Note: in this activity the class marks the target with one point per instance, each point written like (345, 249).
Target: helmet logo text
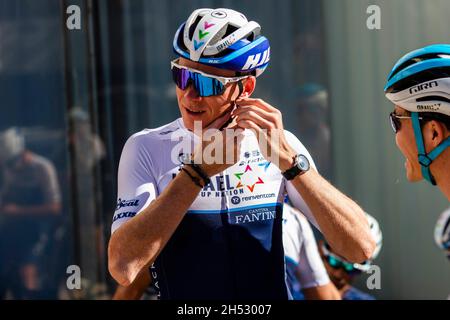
(423, 86)
(257, 60)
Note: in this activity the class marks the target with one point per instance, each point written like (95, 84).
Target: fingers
(260, 112)
(256, 102)
(249, 124)
(254, 108)
(256, 118)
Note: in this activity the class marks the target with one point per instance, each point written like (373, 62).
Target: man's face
(406, 142)
(205, 109)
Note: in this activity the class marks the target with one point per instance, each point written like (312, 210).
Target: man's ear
(434, 133)
(249, 85)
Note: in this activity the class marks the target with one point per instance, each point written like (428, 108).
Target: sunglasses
(394, 119)
(337, 263)
(205, 84)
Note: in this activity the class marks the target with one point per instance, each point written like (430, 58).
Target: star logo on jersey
(250, 187)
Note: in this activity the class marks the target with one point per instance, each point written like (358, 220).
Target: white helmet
(420, 80)
(377, 235)
(420, 83)
(223, 38)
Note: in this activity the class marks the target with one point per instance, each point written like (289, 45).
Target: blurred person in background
(30, 202)
(89, 147)
(307, 277)
(311, 114)
(88, 152)
(342, 272)
(419, 87)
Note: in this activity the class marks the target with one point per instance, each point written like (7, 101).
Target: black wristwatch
(187, 160)
(301, 165)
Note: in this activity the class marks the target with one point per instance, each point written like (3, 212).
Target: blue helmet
(225, 39)
(420, 82)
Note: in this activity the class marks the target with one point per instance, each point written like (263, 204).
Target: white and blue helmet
(442, 231)
(225, 39)
(420, 80)
(376, 234)
(420, 83)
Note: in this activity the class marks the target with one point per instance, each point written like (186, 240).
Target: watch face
(302, 162)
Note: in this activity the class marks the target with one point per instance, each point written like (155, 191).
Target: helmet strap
(425, 159)
(241, 88)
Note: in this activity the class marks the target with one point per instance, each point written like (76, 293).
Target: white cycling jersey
(232, 233)
(305, 268)
(146, 168)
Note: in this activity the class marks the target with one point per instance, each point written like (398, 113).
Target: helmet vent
(427, 75)
(415, 60)
(193, 26)
(433, 98)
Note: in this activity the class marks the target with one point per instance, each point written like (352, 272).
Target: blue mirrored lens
(205, 86)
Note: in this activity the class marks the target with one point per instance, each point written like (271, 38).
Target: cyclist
(343, 272)
(213, 229)
(419, 87)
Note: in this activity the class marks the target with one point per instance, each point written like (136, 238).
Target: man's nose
(191, 93)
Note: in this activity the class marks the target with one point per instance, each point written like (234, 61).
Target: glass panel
(35, 221)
